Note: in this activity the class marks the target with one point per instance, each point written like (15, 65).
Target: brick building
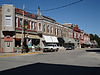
(17, 25)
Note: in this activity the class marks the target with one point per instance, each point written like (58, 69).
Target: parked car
(69, 47)
(51, 48)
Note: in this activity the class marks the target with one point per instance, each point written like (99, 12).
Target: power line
(57, 7)
(62, 6)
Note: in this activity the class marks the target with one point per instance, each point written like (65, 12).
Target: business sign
(8, 39)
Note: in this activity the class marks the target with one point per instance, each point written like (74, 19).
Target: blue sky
(85, 13)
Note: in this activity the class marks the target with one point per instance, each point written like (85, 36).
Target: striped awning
(50, 39)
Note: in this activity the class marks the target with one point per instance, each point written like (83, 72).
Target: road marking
(11, 55)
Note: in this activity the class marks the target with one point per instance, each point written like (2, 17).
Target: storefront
(61, 41)
(29, 38)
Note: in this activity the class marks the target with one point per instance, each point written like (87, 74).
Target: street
(80, 62)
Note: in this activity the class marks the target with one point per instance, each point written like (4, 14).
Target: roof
(20, 11)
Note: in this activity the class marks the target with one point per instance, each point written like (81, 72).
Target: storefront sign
(8, 39)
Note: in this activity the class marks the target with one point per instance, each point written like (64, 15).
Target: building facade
(17, 25)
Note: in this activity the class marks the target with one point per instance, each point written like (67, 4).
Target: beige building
(7, 28)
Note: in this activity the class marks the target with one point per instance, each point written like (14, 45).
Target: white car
(51, 47)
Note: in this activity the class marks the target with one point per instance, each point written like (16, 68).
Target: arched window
(48, 28)
(40, 26)
(32, 25)
(44, 28)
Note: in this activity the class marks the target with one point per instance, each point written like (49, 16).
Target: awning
(34, 36)
(68, 40)
(18, 35)
(50, 39)
(54, 39)
(29, 36)
(47, 38)
(61, 40)
(72, 40)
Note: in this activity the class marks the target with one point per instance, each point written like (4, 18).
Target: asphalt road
(72, 62)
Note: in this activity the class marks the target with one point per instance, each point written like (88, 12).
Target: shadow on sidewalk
(96, 50)
(52, 69)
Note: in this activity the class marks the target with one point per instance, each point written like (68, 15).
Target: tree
(96, 38)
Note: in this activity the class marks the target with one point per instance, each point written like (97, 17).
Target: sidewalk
(18, 54)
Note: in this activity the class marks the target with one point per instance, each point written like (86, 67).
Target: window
(48, 28)
(16, 21)
(32, 25)
(21, 22)
(26, 23)
(40, 26)
(8, 20)
(51, 29)
(44, 28)
(35, 26)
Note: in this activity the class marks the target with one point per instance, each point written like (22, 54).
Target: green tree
(96, 38)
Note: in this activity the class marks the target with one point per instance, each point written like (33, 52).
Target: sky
(86, 13)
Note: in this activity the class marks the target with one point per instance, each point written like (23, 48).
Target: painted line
(21, 54)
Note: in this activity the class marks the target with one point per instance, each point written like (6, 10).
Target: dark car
(69, 47)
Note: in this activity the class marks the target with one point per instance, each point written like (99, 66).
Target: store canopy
(34, 36)
(47, 38)
(50, 39)
(54, 39)
(71, 40)
(68, 40)
(61, 40)
(29, 36)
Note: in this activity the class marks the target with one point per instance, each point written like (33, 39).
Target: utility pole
(23, 30)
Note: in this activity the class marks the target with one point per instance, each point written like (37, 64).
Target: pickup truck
(51, 48)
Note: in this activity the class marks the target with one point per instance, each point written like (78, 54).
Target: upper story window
(16, 22)
(35, 26)
(21, 22)
(56, 31)
(51, 29)
(40, 26)
(32, 25)
(48, 28)
(8, 20)
(44, 28)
